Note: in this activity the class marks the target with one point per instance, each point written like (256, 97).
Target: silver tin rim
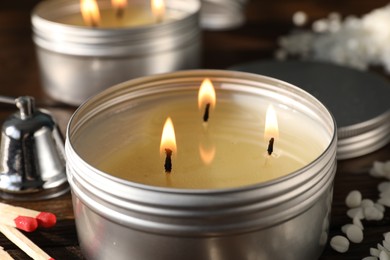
(143, 207)
(84, 41)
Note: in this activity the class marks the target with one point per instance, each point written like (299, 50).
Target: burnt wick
(168, 160)
(270, 148)
(206, 113)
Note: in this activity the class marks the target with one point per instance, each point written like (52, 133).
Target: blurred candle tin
(283, 218)
(78, 61)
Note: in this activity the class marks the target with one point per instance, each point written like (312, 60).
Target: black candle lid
(359, 100)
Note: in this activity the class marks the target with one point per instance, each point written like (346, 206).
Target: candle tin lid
(358, 100)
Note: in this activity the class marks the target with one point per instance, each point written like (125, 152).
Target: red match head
(28, 224)
(46, 219)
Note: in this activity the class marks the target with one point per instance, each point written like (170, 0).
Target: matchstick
(24, 243)
(44, 219)
(4, 254)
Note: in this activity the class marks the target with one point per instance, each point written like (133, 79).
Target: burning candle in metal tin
(84, 47)
(129, 182)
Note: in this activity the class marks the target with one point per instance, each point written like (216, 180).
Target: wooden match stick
(44, 219)
(25, 244)
(4, 254)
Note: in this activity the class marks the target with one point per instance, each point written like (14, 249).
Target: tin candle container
(282, 218)
(77, 62)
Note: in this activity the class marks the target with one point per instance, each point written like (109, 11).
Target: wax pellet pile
(367, 209)
(356, 42)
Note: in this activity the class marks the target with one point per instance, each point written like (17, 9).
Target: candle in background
(115, 43)
(117, 14)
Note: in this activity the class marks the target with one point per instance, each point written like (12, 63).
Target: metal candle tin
(77, 62)
(285, 218)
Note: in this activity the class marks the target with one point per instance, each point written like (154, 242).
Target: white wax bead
(378, 167)
(354, 234)
(367, 203)
(374, 173)
(353, 199)
(356, 212)
(386, 245)
(384, 255)
(299, 18)
(344, 228)
(372, 213)
(384, 194)
(370, 258)
(384, 201)
(374, 252)
(384, 186)
(320, 26)
(340, 244)
(380, 247)
(357, 222)
(386, 167)
(387, 236)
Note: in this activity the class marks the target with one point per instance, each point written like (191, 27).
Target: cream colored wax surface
(234, 131)
(132, 16)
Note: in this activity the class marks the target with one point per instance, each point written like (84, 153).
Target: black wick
(270, 148)
(168, 160)
(206, 113)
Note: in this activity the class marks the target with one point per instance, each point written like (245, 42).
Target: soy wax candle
(80, 57)
(219, 183)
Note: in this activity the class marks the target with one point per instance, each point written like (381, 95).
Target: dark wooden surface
(267, 20)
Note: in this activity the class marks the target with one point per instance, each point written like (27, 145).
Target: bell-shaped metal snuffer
(32, 163)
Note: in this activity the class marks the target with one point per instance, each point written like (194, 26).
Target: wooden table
(267, 20)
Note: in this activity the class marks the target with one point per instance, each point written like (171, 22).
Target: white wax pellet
(387, 236)
(386, 245)
(344, 228)
(374, 252)
(370, 258)
(340, 244)
(372, 213)
(374, 173)
(378, 168)
(380, 207)
(367, 203)
(380, 247)
(386, 167)
(384, 186)
(299, 18)
(385, 201)
(356, 213)
(358, 222)
(353, 199)
(384, 255)
(354, 234)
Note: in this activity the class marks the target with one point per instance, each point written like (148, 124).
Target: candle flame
(90, 12)
(158, 9)
(168, 139)
(206, 94)
(119, 4)
(271, 124)
(207, 154)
